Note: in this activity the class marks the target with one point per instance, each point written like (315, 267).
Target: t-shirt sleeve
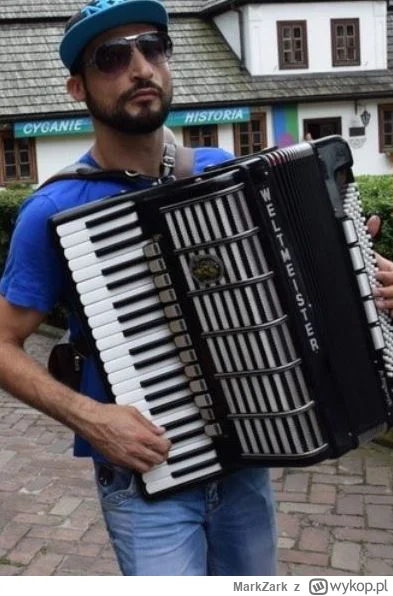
(33, 276)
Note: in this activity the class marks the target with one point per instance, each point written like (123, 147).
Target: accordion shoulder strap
(177, 162)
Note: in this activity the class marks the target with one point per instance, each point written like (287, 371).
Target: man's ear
(76, 87)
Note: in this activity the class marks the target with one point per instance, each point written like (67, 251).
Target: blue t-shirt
(34, 276)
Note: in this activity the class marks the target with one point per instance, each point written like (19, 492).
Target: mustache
(127, 95)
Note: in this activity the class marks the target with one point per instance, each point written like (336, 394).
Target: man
(117, 52)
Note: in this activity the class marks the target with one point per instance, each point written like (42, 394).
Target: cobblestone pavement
(334, 519)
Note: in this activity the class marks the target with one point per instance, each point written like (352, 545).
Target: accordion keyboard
(137, 338)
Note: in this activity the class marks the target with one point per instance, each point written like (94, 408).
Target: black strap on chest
(177, 162)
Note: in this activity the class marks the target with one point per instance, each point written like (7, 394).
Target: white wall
(228, 24)
(261, 44)
(365, 149)
(55, 153)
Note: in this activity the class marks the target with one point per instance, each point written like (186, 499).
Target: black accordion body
(235, 309)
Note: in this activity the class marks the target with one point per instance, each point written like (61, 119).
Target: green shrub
(10, 201)
(377, 198)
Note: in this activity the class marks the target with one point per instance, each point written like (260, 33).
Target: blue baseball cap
(101, 15)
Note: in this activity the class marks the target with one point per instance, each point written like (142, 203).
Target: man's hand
(127, 438)
(384, 294)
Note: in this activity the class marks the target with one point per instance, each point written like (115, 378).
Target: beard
(146, 121)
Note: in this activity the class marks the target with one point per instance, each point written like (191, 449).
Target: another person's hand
(384, 294)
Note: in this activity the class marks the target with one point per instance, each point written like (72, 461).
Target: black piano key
(97, 221)
(136, 298)
(140, 312)
(167, 391)
(190, 434)
(107, 250)
(144, 327)
(189, 454)
(151, 345)
(127, 280)
(194, 468)
(156, 359)
(183, 401)
(182, 421)
(114, 231)
(162, 377)
(124, 265)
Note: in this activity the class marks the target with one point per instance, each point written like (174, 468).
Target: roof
(205, 70)
(47, 9)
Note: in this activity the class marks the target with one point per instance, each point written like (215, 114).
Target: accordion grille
(244, 326)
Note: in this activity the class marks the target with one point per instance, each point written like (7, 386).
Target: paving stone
(335, 518)
(346, 555)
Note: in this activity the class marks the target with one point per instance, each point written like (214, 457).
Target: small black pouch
(65, 364)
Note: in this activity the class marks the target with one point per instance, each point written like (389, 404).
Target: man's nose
(139, 66)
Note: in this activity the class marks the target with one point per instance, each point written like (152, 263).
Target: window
(292, 44)
(345, 42)
(17, 160)
(386, 128)
(317, 128)
(250, 137)
(200, 136)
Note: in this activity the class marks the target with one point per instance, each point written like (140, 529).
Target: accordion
(235, 309)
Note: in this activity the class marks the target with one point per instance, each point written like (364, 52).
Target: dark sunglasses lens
(155, 47)
(113, 57)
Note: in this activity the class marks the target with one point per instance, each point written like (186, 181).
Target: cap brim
(137, 11)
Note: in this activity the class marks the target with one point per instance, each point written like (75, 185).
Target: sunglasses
(115, 55)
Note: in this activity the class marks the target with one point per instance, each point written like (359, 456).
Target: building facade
(247, 75)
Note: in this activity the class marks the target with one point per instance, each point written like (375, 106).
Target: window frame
(31, 148)
(282, 64)
(382, 108)
(261, 116)
(187, 135)
(356, 23)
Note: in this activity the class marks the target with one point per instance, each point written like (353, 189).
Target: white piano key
(87, 247)
(165, 470)
(91, 259)
(175, 432)
(80, 224)
(128, 394)
(133, 397)
(131, 372)
(101, 281)
(116, 326)
(85, 235)
(105, 306)
(120, 388)
(131, 343)
(139, 359)
(97, 268)
(104, 293)
(190, 445)
(168, 483)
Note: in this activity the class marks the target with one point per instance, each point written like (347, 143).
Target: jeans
(225, 527)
